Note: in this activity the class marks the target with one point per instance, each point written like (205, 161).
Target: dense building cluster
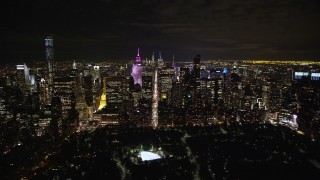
(49, 101)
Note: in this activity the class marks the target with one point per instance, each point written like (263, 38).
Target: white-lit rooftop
(148, 156)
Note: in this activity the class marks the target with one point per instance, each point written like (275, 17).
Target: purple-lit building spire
(137, 69)
(138, 58)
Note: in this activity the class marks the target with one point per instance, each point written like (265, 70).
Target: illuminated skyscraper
(50, 60)
(155, 99)
(64, 88)
(114, 91)
(160, 57)
(23, 77)
(147, 86)
(196, 67)
(74, 65)
(153, 56)
(165, 83)
(165, 80)
(103, 98)
(173, 63)
(138, 58)
(137, 69)
(160, 60)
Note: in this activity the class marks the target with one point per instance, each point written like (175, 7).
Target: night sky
(113, 29)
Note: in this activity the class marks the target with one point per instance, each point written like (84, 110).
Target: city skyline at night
(151, 119)
(160, 89)
(151, 113)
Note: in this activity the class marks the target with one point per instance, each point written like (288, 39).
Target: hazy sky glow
(107, 29)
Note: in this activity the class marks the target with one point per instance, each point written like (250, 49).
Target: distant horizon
(82, 60)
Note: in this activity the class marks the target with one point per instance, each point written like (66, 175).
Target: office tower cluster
(56, 98)
(45, 99)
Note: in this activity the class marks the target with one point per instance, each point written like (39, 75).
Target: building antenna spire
(138, 58)
(173, 64)
(74, 65)
(160, 58)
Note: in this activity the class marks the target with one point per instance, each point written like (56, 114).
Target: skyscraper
(155, 99)
(173, 63)
(138, 58)
(196, 67)
(23, 77)
(115, 88)
(160, 60)
(103, 98)
(165, 82)
(50, 60)
(64, 88)
(137, 69)
(152, 56)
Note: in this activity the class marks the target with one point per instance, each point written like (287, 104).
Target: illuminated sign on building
(225, 70)
(20, 67)
(315, 76)
(299, 75)
(48, 42)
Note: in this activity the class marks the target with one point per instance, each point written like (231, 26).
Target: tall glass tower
(50, 60)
